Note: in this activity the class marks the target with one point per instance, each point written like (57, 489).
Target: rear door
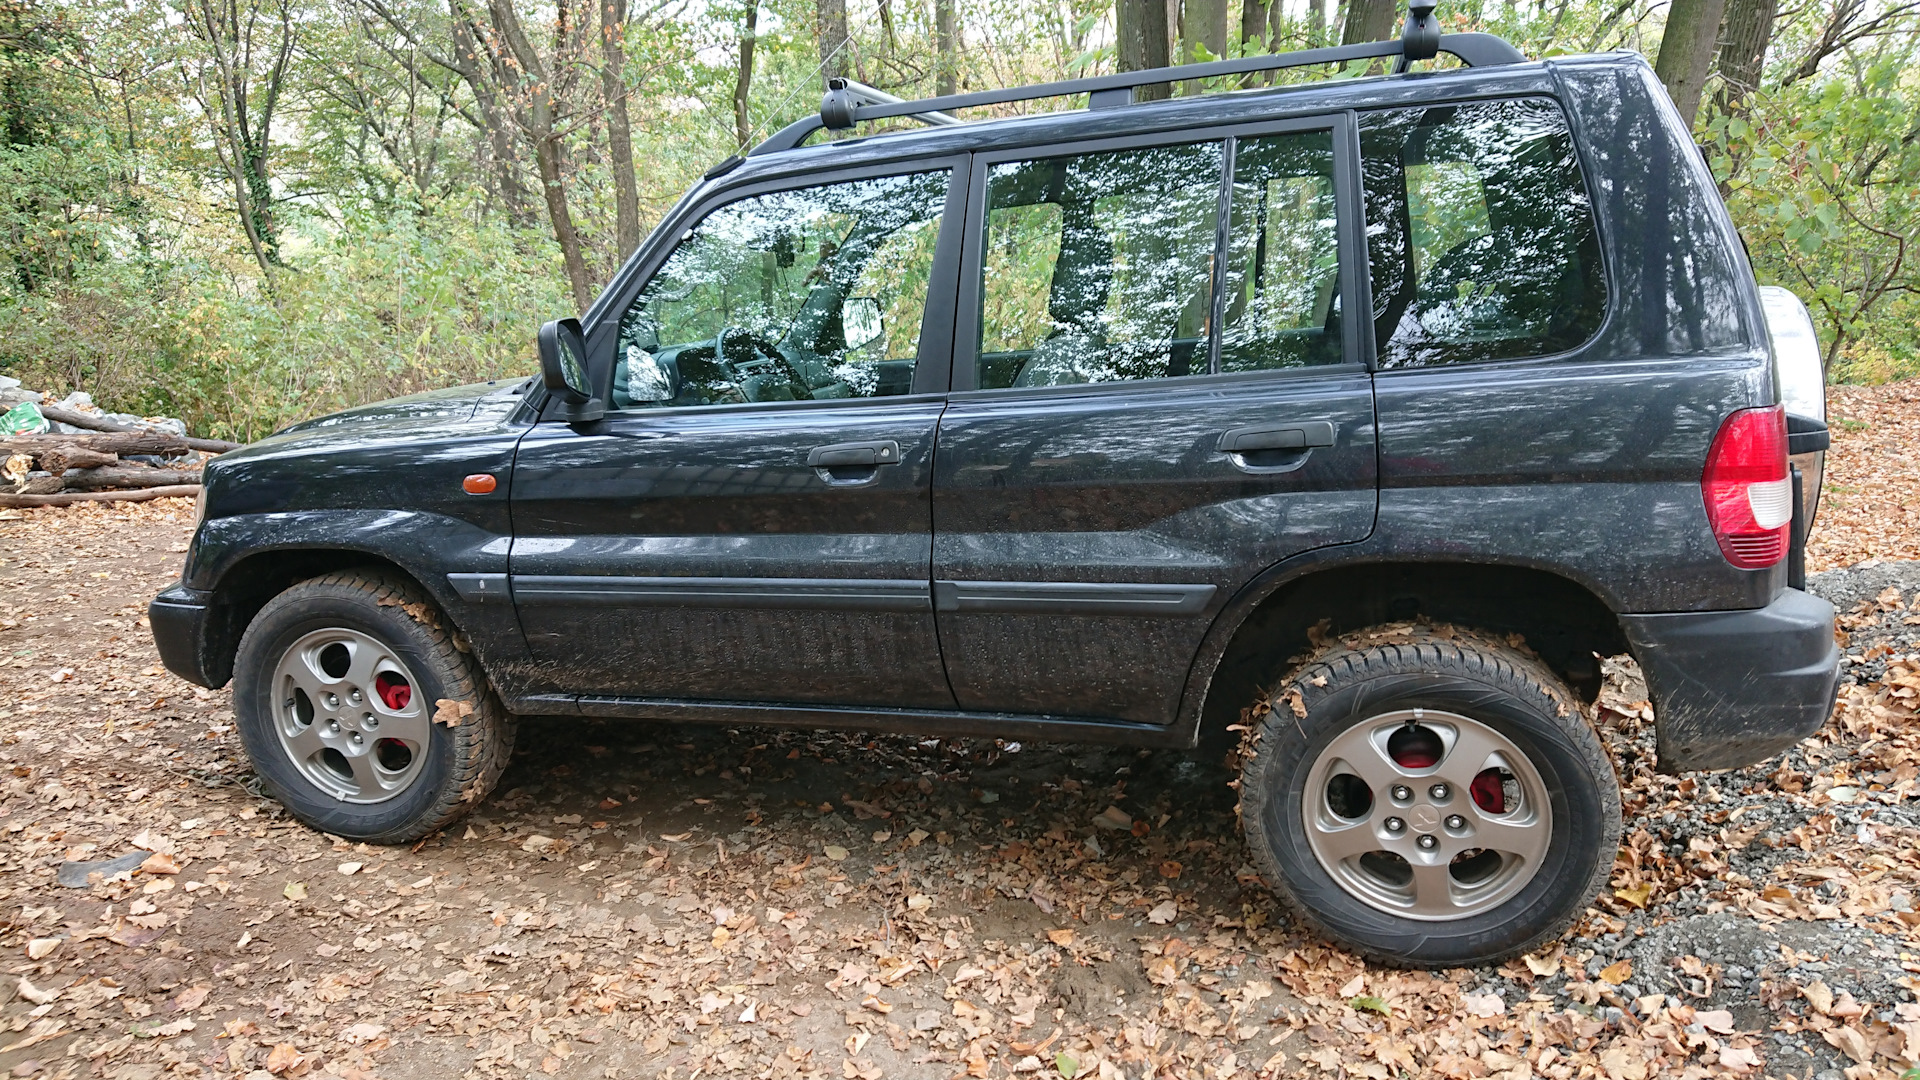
(750, 521)
(1133, 437)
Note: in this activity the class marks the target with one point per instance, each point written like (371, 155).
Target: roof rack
(848, 102)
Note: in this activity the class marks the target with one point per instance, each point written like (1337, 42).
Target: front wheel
(1430, 796)
(361, 714)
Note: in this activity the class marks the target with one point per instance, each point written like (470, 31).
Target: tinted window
(1479, 234)
(1098, 267)
(789, 296)
(1283, 262)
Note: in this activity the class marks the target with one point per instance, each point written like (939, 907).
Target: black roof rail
(848, 103)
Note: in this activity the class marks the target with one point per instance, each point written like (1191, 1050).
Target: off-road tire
(464, 761)
(1406, 666)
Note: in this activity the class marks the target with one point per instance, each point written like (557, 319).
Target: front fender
(234, 560)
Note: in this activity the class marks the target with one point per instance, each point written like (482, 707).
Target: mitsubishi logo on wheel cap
(1424, 817)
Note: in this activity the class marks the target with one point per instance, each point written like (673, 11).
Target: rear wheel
(1430, 796)
(361, 714)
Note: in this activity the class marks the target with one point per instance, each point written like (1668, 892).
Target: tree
(246, 46)
(613, 88)
(1687, 49)
(833, 37)
(1743, 51)
(1142, 42)
(1368, 20)
(537, 88)
(946, 60)
(1203, 33)
(743, 79)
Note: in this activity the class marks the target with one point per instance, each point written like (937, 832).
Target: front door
(750, 521)
(1132, 436)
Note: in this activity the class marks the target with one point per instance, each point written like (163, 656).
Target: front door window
(807, 294)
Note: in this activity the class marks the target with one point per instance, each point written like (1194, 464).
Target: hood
(455, 405)
(385, 454)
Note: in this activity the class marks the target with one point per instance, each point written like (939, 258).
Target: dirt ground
(641, 900)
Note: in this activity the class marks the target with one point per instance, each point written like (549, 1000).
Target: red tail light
(1746, 487)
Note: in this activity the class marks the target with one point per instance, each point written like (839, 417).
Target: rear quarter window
(1480, 234)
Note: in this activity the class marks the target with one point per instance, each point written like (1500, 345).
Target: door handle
(1294, 436)
(855, 455)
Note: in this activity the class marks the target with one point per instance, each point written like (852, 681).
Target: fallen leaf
(42, 947)
(1062, 938)
(836, 852)
(451, 712)
(283, 1058)
(1819, 996)
(160, 862)
(294, 891)
(1718, 1021)
(1850, 1041)
(1617, 973)
(1483, 1005)
(350, 868)
(192, 997)
(1164, 912)
(35, 994)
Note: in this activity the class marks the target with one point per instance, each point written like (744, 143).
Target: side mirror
(861, 321)
(563, 367)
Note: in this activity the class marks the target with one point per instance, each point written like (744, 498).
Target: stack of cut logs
(89, 467)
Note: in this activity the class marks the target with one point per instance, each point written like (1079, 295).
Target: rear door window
(1480, 233)
(1098, 267)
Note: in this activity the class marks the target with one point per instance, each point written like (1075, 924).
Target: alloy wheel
(1427, 815)
(350, 715)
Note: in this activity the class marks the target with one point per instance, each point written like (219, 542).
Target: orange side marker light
(479, 484)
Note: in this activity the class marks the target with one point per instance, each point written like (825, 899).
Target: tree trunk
(553, 183)
(946, 53)
(108, 442)
(833, 38)
(1743, 55)
(240, 108)
(1368, 20)
(530, 78)
(1204, 31)
(613, 87)
(1142, 34)
(505, 159)
(743, 82)
(1316, 22)
(1686, 52)
(1253, 26)
(175, 491)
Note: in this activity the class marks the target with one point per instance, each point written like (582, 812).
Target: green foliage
(124, 270)
(1822, 175)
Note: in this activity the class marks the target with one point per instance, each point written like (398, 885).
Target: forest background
(248, 212)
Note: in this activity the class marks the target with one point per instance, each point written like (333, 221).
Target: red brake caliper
(395, 692)
(1490, 792)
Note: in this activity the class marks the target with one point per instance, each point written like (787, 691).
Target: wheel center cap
(1424, 817)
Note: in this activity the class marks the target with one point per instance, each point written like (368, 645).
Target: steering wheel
(771, 357)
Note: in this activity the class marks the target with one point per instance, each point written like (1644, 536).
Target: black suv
(1063, 426)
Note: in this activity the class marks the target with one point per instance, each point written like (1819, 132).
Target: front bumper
(1731, 688)
(180, 617)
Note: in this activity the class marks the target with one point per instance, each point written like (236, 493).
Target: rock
(1846, 588)
(74, 874)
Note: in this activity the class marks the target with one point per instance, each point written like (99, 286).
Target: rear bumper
(179, 617)
(1731, 688)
